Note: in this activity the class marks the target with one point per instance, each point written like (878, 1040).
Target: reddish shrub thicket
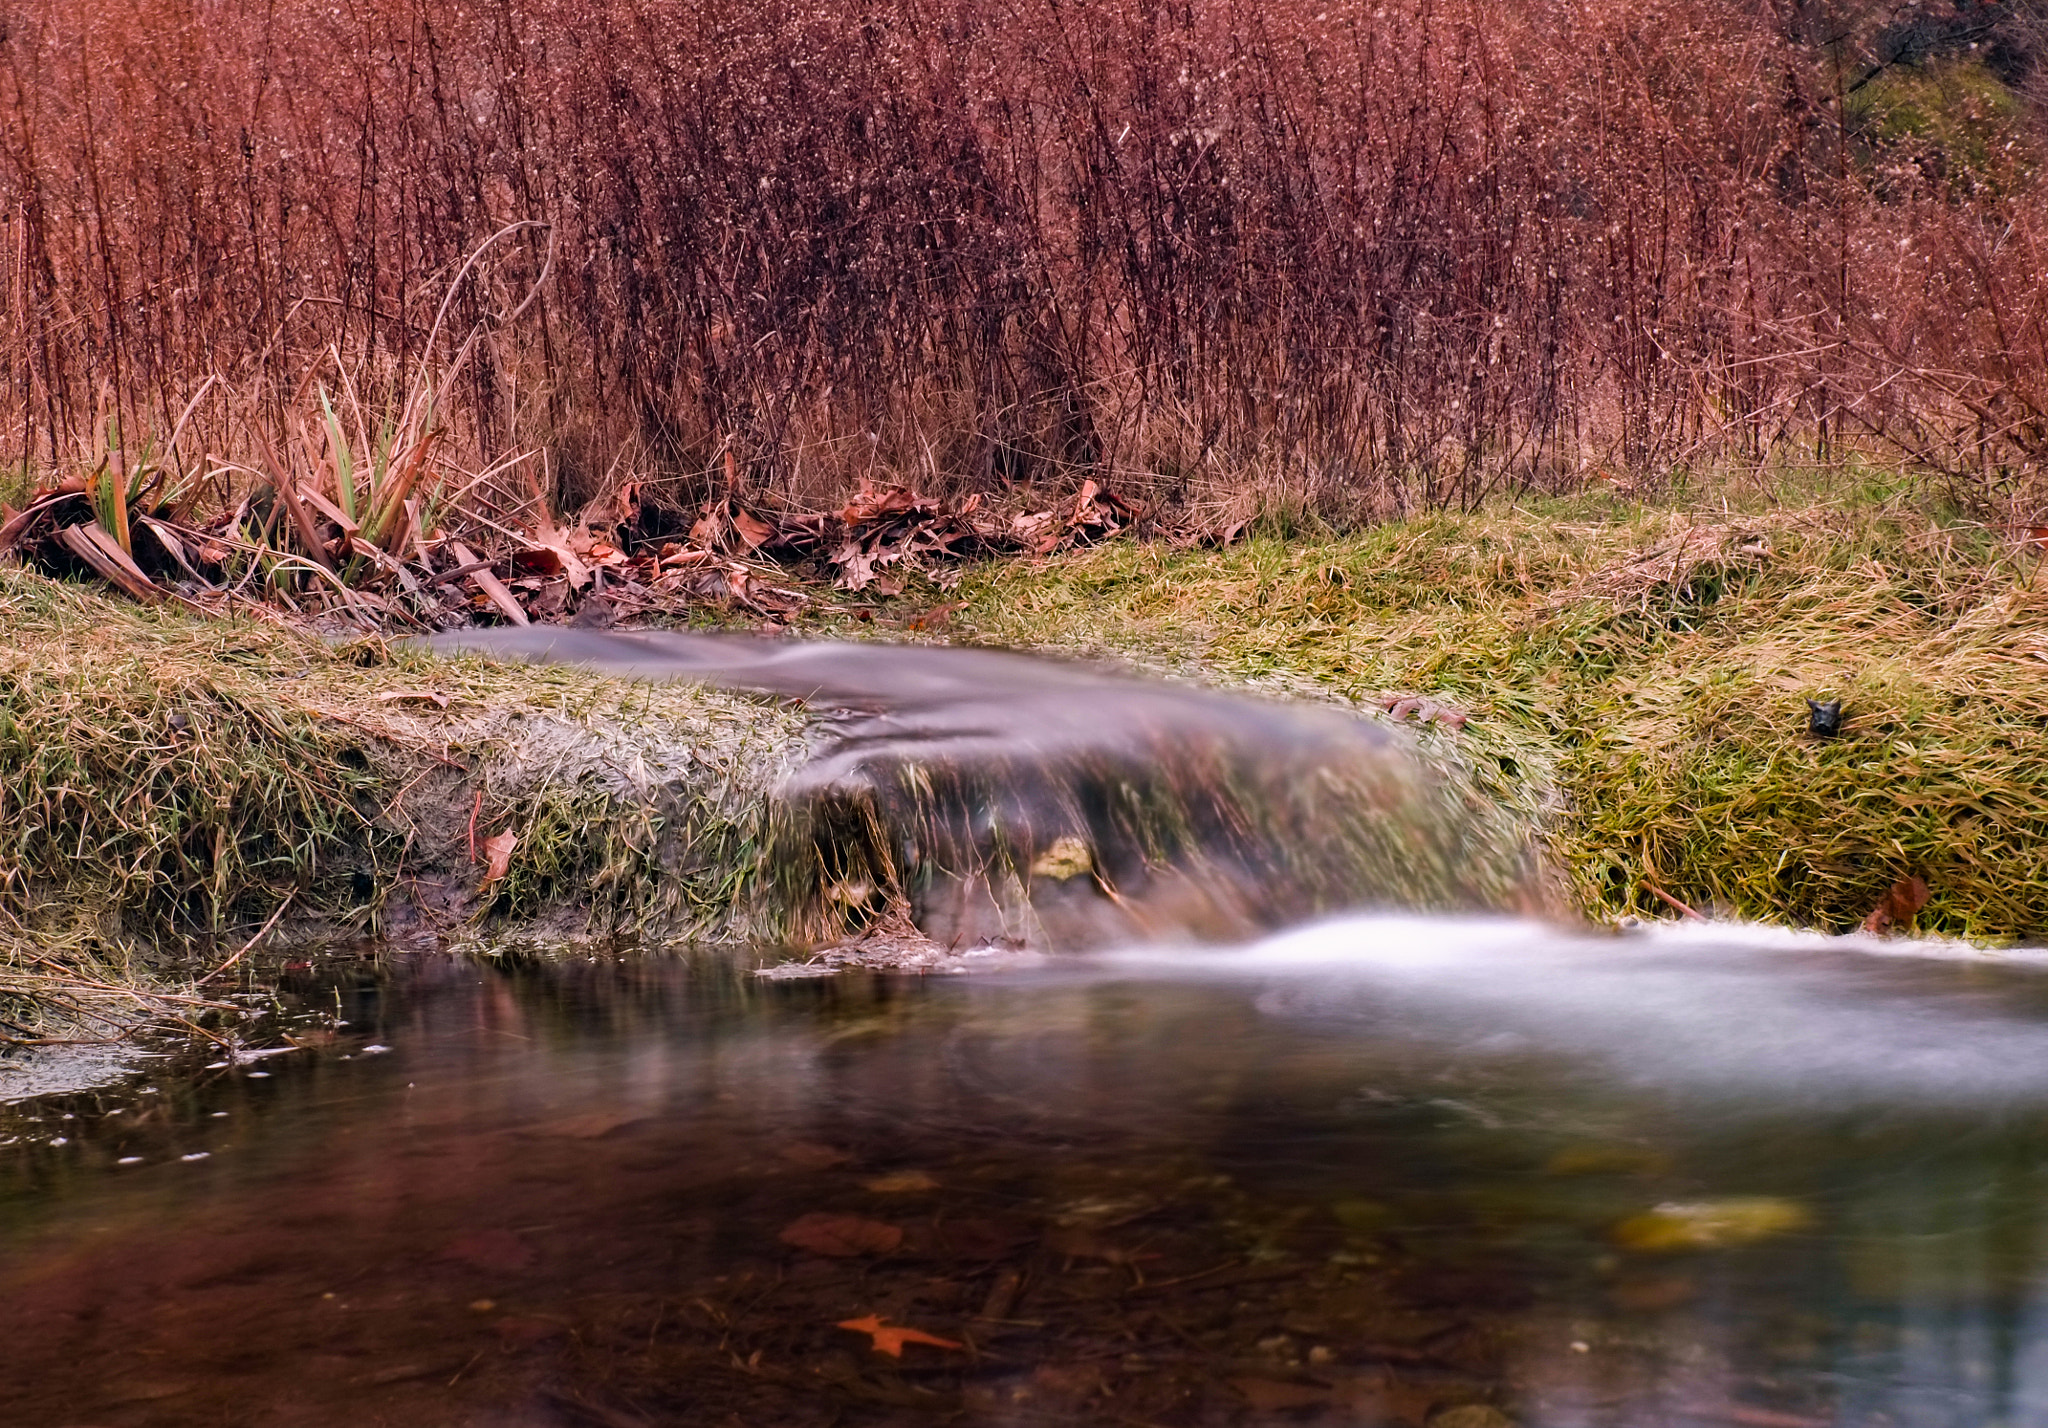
(1385, 252)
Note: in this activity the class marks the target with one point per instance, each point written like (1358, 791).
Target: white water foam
(1703, 1007)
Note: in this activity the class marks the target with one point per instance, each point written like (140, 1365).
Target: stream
(1402, 1170)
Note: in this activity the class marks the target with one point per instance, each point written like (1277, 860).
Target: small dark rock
(1824, 720)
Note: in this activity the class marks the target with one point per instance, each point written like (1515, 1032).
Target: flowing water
(1383, 1170)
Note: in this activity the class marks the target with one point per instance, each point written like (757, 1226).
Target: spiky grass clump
(1651, 667)
(154, 771)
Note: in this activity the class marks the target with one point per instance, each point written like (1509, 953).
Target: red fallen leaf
(498, 855)
(523, 1331)
(841, 1236)
(936, 618)
(497, 1250)
(753, 533)
(871, 503)
(1899, 905)
(974, 1238)
(890, 1339)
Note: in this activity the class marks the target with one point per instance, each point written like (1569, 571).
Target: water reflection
(1379, 1172)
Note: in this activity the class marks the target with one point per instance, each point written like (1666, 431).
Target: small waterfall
(1008, 798)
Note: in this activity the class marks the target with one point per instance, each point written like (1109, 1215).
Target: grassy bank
(1635, 678)
(1651, 666)
(168, 785)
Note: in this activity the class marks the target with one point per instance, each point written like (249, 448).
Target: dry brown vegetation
(1364, 257)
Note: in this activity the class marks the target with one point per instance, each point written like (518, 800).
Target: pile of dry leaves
(290, 545)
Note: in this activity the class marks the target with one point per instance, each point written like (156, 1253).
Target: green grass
(167, 782)
(1645, 673)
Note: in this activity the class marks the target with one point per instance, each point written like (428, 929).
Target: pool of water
(1383, 1171)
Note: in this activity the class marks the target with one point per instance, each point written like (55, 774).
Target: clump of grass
(1643, 672)
(635, 805)
(168, 783)
(155, 772)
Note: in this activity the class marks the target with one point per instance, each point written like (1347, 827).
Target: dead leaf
(498, 855)
(1899, 906)
(890, 1339)
(1077, 1243)
(1071, 1382)
(414, 696)
(494, 589)
(936, 618)
(1268, 1395)
(1470, 1415)
(497, 1250)
(871, 503)
(1067, 858)
(901, 1182)
(554, 552)
(977, 1238)
(103, 553)
(841, 1236)
(523, 1331)
(753, 532)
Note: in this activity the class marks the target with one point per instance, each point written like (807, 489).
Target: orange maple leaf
(890, 1340)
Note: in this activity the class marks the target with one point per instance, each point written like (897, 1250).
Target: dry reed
(1376, 257)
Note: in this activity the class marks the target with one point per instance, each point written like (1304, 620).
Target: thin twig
(261, 933)
(1667, 897)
